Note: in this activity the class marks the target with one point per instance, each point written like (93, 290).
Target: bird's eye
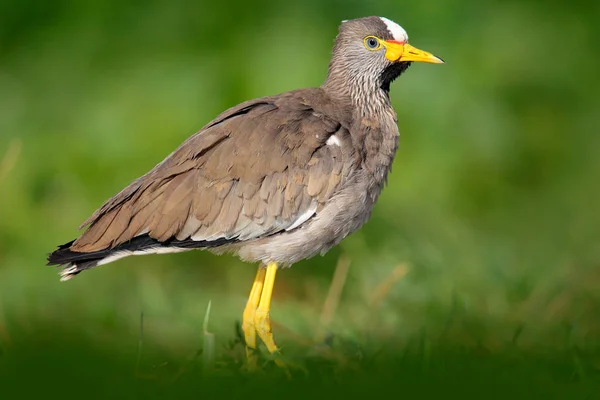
(372, 43)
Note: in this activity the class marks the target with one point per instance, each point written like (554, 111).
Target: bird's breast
(378, 139)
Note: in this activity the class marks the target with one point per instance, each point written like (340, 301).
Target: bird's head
(373, 51)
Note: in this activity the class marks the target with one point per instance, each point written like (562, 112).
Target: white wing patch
(333, 141)
(396, 30)
(302, 218)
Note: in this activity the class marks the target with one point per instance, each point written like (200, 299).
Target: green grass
(405, 347)
(64, 362)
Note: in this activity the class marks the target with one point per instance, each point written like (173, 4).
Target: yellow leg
(262, 319)
(248, 325)
(256, 318)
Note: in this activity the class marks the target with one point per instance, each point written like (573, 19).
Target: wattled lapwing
(274, 180)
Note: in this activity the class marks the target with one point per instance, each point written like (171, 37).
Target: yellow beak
(399, 51)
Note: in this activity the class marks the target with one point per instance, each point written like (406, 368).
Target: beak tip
(439, 60)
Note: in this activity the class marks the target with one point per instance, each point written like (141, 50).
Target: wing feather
(260, 168)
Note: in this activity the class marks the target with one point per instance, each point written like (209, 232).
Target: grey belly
(346, 212)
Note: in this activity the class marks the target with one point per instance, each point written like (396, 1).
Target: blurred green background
(481, 258)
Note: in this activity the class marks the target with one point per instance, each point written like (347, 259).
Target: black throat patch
(392, 72)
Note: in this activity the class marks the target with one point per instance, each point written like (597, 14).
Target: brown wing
(257, 169)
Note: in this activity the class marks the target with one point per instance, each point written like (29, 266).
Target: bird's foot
(250, 338)
(248, 325)
(262, 323)
(256, 318)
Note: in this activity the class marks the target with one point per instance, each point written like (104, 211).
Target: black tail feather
(75, 262)
(64, 255)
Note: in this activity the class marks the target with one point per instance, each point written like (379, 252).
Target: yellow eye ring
(372, 43)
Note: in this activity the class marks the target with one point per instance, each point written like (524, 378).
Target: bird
(273, 180)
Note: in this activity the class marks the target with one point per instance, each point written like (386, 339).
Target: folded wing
(260, 168)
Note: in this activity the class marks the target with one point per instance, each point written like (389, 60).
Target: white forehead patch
(396, 30)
